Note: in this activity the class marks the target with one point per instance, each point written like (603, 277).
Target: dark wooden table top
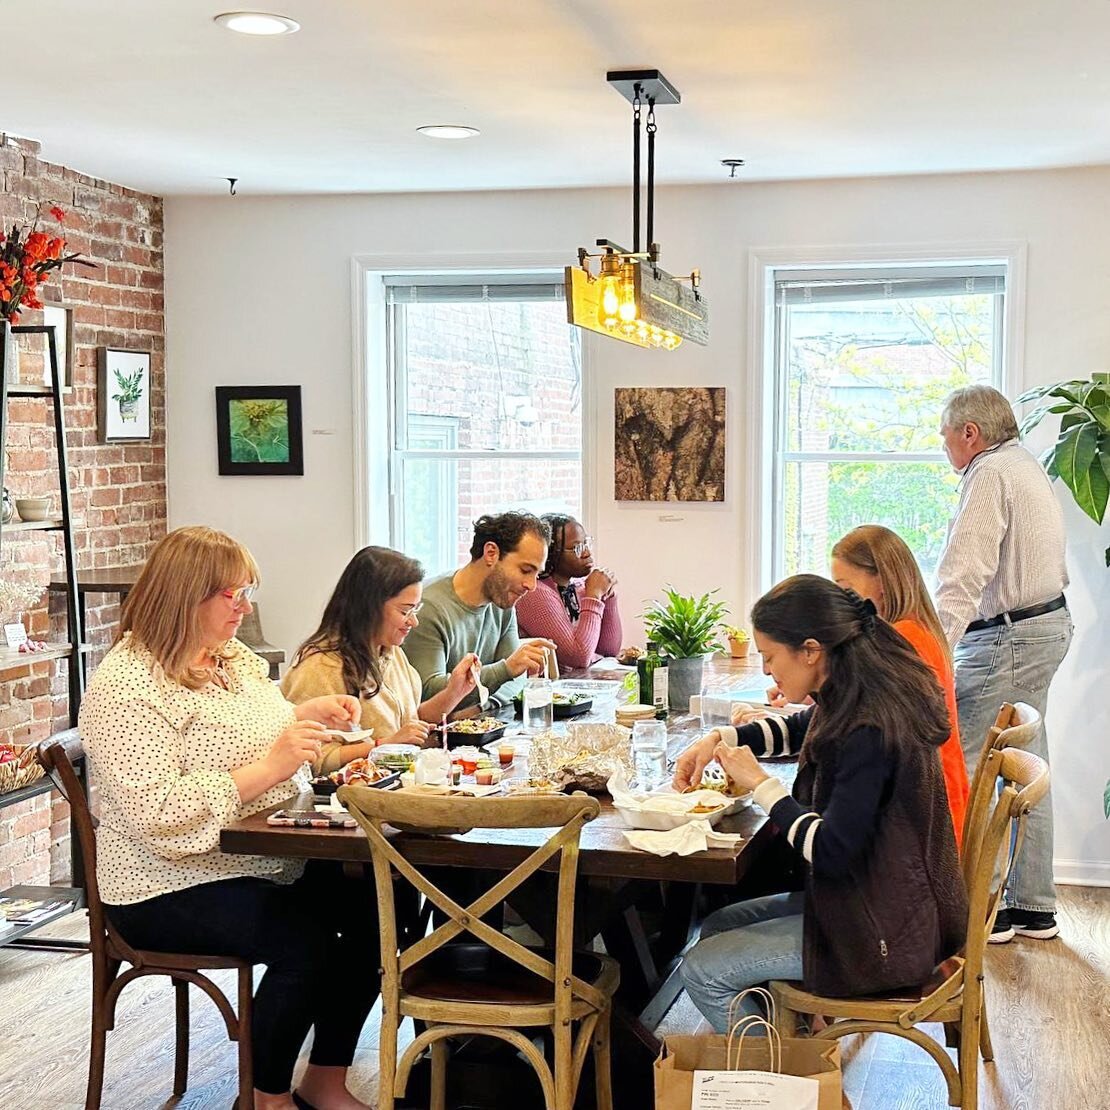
(604, 851)
(109, 580)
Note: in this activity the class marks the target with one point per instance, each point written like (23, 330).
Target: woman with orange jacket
(877, 564)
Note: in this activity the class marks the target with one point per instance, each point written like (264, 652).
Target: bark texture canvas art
(670, 444)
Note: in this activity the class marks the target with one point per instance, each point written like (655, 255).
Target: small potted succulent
(738, 640)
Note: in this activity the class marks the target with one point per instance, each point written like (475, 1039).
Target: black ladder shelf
(68, 898)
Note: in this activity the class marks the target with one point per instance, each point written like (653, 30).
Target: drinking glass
(649, 753)
(539, 709)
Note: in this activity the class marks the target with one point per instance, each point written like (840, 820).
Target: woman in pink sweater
(574, 603)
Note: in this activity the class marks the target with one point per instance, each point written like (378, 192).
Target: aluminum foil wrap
(583, 758)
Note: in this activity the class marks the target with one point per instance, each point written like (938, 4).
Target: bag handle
(762, 993)
(746, 1025)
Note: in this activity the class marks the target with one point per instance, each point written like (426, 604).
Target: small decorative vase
(738, 649)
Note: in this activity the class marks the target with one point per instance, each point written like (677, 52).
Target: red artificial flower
(58, 214)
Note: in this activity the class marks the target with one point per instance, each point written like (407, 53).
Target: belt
(1016, 615)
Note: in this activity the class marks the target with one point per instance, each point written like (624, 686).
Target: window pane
(872, 375)
(509, 373)
(824, 500)
(438, 530)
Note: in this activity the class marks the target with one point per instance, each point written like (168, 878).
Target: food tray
(560, 710)
(457, 739)
(325, 788)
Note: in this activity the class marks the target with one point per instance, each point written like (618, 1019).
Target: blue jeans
(742, 946)
(1009, 663)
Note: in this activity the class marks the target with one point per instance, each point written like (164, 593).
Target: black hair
(874, 676)
(353, 615)
(506, 530)
(557, 522)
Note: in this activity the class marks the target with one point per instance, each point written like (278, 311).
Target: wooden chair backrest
(1014, 727)
(1024, 781)
(58, 760)
(373, 809)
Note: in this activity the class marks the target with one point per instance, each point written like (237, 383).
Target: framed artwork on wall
(122, 395)
(669, 444)
(258, 429)
(61, 316)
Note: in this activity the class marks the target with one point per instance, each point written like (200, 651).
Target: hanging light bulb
(609, 292)
(629, 310)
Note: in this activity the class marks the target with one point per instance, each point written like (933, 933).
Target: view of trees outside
(482, 381)
(870, 377)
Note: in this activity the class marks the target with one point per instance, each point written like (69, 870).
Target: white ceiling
(153, 94)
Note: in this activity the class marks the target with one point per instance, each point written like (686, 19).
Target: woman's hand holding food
(331, 710)
(411, 732)
(298, 744)
(461, 680)
(693, 761)
(741, 766)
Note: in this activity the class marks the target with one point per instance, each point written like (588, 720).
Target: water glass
(539, 709)
(649, 753)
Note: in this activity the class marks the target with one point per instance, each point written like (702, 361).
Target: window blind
(828, 286)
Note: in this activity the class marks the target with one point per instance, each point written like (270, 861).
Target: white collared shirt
(1005, 546)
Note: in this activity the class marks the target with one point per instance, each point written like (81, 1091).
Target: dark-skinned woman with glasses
(358, 650)
(186, 733)
(574, 603)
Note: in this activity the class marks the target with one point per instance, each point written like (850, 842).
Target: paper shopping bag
(685, 1059)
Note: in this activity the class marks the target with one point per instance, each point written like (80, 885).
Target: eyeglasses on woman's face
(408, 612)
(579, 549)
(241, 595)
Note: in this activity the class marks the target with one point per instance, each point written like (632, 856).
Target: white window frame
(372, 398)
(762, 420)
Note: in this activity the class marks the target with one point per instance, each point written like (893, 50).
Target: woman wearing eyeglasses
(358, 650)
(186, 733)
(574, 603)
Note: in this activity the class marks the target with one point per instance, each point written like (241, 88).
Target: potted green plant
(684, 628)
(738, 640)
(130, 390)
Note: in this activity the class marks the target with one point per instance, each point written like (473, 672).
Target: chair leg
(603, 1079)
(439, 1075)
(97, 1045)
(985, 1046)
(564, 1067)
(181, 1054)
(387, 1059)
(246, 1052)
(967, 1061)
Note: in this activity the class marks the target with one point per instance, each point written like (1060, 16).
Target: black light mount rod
(636, 171)
(651, 129)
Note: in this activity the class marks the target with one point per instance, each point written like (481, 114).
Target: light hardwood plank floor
(1049, 1005)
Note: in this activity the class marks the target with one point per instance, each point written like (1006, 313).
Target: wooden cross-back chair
(954, 994)
(494, 987)
(110, 951)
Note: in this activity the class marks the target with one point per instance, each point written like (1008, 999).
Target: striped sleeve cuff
(800, 825)
(768, 792)
(767, 736)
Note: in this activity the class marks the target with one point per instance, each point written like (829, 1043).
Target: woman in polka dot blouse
(185, 733)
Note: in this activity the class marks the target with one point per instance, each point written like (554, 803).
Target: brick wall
(118, 491)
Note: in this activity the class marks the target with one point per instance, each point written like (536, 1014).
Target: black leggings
(317, 937)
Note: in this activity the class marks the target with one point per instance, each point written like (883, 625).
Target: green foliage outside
(259, 431)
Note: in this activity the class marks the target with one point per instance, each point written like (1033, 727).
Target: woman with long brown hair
(358, 650)
(884, 901)
(877, 564)
(186, 733)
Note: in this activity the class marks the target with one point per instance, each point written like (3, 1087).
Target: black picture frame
(275, 413)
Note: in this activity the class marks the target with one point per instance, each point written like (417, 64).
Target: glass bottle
(653, 679)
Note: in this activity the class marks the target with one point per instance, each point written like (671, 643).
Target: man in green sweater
(472, 610)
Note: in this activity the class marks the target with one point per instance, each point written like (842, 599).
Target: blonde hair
(185, 568)
(883, 553)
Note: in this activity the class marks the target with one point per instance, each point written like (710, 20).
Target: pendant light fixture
(631, 297)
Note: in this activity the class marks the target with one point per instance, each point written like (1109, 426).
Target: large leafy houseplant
(685, 627)
(1080, 457)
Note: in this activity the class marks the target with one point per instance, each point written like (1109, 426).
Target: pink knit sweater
(597, 631)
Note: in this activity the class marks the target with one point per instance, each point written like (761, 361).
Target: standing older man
(1000, 599)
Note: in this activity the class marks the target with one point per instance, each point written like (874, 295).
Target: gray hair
(986, 408)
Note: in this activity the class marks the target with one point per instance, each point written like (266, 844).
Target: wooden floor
(1050, 1018)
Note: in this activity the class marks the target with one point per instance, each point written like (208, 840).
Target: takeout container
(665, 811)
(457, 739)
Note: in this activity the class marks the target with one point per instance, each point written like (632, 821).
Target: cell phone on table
(298, 819)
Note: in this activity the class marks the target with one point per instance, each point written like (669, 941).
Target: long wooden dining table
(616, 878)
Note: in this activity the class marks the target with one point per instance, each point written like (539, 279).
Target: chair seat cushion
(476, 973)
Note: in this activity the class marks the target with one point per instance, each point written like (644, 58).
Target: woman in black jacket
(884, 901)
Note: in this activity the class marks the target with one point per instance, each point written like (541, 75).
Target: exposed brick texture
(118, 491)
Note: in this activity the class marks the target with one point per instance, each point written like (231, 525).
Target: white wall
(259, 291)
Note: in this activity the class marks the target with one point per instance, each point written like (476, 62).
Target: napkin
(694, 836)
(667, 801)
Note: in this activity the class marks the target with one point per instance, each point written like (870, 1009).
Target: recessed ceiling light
(448, 131)
(257, 23)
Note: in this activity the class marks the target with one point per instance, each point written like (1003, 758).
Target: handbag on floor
(737, 1071)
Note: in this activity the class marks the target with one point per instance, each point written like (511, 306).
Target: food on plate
(560, 697)
(628, 656)
(395, 757)
(704, 807)
(359, 772)
(714, 778)
(475, 726)
(533, 786)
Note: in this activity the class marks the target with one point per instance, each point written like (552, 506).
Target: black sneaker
(1003, 931)
(1034, 923)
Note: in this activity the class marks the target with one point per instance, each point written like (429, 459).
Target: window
(864, 358)
(486, 386)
